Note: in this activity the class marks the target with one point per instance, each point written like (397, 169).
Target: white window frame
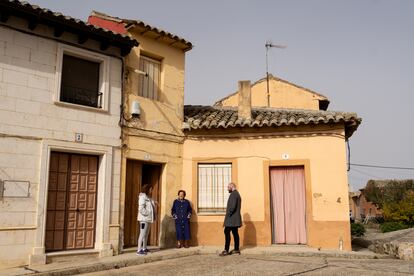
(219, 202)
(104, 68)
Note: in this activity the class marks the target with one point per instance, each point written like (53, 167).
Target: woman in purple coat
(181, 212)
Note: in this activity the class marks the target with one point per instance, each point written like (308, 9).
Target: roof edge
(324, 98)
(129, 23)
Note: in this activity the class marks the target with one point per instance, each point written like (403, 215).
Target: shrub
(357, 229)
(400, 211)
(392, 226)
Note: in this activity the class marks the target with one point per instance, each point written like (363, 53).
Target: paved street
(266, 265)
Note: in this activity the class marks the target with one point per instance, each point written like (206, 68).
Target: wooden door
(132, 190)
(72, 196)
(154, 179)
(138, 174)
(287, 186)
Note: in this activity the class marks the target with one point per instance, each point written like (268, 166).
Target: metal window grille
(149, 85)
(212, 187)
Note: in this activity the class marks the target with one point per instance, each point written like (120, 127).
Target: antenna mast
(269, 45)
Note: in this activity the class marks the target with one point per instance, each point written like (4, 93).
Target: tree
(400, 211)
(381, 192)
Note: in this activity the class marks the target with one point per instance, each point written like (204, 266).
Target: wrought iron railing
(81, 96)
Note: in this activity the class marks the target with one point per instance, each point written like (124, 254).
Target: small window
(149, 85)
(212, 187)
(80, 82)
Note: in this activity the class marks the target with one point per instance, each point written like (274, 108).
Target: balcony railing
(81, 96)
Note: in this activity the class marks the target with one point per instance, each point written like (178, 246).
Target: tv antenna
(269, 45)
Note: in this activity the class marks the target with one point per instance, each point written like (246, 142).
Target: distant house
(60, 147)
(366, 207)
(288, 160)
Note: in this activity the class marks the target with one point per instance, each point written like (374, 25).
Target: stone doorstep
(130, 259)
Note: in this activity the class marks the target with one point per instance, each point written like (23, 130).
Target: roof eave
(36, 15)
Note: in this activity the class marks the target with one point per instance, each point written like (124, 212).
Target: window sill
(82, 107)
(211, 214)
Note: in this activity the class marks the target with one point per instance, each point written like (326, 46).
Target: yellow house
(152, 127)
(288, 161)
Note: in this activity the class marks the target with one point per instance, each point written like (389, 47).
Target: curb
(133, 261)
(116, 264)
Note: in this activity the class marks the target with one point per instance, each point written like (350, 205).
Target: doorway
(288, 205)
(71, 201)
(137, 174)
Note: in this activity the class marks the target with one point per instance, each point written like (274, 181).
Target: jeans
(143, 235)
(235, 231)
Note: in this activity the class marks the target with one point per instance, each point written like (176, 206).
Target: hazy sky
(360, 54)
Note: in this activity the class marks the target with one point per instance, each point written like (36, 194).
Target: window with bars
(212, 187)
(149, 85)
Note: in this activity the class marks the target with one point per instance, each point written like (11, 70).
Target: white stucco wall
(32, 124)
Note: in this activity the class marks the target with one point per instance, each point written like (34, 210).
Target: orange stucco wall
(324, 159)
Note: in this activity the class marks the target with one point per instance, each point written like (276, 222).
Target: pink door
(287, 186)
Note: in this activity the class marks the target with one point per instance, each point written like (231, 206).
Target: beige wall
(282, 95)
(326, 184)
(32, 123)
(156, 137)
(166, 114)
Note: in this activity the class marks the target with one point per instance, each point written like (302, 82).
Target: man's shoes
(141, 253)
(224, 253)
(146, 250)
(186, 244)
(179, 245)
(235, 252)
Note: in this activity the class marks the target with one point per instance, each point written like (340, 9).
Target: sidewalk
(84, 264)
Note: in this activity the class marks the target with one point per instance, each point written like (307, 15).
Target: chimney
(245, 101)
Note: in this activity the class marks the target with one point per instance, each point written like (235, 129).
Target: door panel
(132, 189)
(72, 195)
(136, 175)
(288, 205)
(155, 172)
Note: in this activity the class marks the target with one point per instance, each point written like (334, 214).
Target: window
(82, 78)
(80, 82)
(212, 187)
(149, 85)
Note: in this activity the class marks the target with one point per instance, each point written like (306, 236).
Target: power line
(381, 167)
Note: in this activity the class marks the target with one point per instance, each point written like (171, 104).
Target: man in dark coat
(232, 221)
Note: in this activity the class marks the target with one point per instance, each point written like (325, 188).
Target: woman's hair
(181, 191)
(145, 188)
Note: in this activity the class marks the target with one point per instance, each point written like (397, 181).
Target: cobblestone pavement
(266, 265)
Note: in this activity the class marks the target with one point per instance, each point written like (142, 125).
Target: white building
(60, 148)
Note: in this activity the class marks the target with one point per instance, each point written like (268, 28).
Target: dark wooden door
(72, 196)
(138, 174)
(132, 190)
(154, 179)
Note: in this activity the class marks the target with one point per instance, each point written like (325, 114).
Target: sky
(359, 54)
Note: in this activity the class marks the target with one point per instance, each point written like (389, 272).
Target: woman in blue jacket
(181, 212)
